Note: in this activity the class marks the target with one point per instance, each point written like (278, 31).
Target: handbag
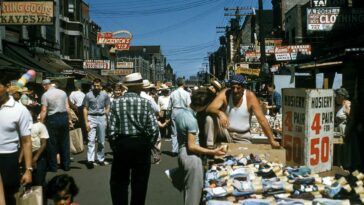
(31, 196)
(76, 141)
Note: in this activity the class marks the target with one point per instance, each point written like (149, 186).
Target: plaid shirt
(133, 115)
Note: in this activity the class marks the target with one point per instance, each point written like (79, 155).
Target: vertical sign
(308, 125)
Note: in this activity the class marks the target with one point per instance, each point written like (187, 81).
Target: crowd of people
(134, 115)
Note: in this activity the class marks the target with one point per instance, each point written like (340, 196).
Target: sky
(185, 29)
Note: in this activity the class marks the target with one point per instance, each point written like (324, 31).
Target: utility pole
(261, 36)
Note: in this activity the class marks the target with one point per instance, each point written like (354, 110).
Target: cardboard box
(263, 150)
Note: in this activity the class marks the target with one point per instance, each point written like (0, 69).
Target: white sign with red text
(308, 127)
(96, 64)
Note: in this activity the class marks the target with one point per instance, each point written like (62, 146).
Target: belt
(96, 114)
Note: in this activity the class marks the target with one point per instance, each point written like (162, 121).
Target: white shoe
(168, 174)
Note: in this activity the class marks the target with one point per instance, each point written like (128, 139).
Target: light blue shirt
(96, 104)
(186, 123)
(15, 122)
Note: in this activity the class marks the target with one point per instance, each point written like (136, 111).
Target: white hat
(146, 84)
(134, 79)
(163, 87)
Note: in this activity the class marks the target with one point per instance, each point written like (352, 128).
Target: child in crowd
(62, 189)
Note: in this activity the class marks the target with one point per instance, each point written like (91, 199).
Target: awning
(7, 63)
(92, 74)
(46, 63)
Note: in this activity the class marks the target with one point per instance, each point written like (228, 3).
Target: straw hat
(134, 79)
(163, 87)
(146, 84)
(15, 89)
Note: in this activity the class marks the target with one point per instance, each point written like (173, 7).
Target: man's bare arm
(216, 105)
(258, 112)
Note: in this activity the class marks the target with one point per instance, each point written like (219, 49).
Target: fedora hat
(134, 79)
(146, 84)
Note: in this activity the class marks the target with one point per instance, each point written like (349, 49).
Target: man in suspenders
(234, 108)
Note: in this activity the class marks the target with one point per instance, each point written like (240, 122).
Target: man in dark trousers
(133, 129)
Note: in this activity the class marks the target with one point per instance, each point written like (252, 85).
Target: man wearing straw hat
(133, 130)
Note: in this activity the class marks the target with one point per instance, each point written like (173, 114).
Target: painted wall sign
(26, 13)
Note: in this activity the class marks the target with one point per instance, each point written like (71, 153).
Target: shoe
(168, 174)
(90, 165)
(103, 163)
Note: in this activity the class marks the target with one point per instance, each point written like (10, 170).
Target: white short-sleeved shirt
(76, 97)
(15, 122)
(39, 131)
(163, 102)
(55, 100)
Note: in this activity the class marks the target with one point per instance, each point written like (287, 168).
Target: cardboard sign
(308, 127)
(262, 150)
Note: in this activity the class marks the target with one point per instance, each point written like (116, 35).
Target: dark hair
(271, 85)
(201, 97)
(60, 183)
(97, 80)
(180, 82)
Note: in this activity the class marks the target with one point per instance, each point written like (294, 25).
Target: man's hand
(219, 151)
(275, 144)
(224, 120)
(88, 128)
(27, 177)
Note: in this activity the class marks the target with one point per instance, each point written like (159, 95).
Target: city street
(94, 183)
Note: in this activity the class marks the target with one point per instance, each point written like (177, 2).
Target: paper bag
(76, 141)
(32, 196)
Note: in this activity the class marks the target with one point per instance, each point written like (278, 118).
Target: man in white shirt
(76, 98)
(15, 124)
(179, 99)
(145, 94)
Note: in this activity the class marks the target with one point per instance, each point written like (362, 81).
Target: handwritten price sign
(308, 122)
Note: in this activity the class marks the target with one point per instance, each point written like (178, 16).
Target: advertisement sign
(26, 13)
(252, 56)
(328, 18)
(270, 44)
(121, 39)
(124, 64)
(96, 64)
(338, 3)
(247, 71)
(292, 52)
(308, 127)
(117, 72)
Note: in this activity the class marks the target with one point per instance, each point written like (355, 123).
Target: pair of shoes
(91, 165)
(103, 163)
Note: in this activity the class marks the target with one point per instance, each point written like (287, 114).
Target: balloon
(27, 77)
(22, 81)
(32, 73)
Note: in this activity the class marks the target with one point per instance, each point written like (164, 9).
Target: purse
(76, 141)
(31, 196)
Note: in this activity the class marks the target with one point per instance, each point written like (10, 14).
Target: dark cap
(343, 92)
(238, 79)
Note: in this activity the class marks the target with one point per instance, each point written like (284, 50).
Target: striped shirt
(132, 115)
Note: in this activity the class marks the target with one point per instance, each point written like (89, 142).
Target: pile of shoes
(253, 180)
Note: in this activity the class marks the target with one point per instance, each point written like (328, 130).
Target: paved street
(94, 183)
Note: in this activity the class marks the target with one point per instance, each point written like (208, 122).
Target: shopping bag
(76, 141)
(31, 196)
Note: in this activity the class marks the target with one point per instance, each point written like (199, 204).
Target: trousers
(130, 166)
(98, 131)
(59, 140)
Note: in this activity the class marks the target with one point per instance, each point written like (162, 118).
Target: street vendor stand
(304, 166)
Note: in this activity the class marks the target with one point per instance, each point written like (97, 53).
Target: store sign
(113, 38)
(247, 71)
(96, 64)
(308, 127)
(252, 56)
(124, 64)
(292, 52)
(117, 72)
(26, 13)
(73, 71)
(329, 18)
(320, 3)
(270, 44)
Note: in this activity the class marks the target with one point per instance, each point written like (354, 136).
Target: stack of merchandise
(252, 181)
(275, 122)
